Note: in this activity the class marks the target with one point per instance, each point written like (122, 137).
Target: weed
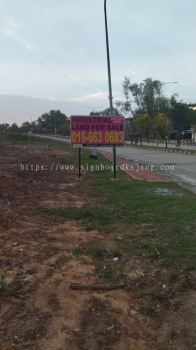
(2, 284)
(77, 252)
(97, 252)
(65, 259)
(116, 253)
(157, 296)
(82, 260)
(107, 273)
(148, 310)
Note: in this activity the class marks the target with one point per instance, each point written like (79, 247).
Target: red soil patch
(135, 172)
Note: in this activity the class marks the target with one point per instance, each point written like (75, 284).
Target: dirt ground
(38, 261)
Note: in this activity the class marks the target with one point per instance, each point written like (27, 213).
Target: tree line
(150, 113)
(53, 122)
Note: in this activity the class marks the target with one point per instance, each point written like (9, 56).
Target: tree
(34, 127)
(143, 125)
(53, 122)
(161, 126)
(178, 114)
(14, 128)
(4, 128)
(190, 117)
(125, 106)
(105, 112)
(26, 127)
(151, 95)
(147, 96)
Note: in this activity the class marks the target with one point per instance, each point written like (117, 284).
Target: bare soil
(38, 310)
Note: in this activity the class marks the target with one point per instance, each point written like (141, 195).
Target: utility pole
(109, 81)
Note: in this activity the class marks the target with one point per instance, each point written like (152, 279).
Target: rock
(192, 278)
(28, 279)
(76, 330)
(109, 329)
(133, 312)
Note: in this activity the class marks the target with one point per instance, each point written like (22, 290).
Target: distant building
(129, 130)
(193, 135)
(193, 106)
(193, 131)
(186, 135)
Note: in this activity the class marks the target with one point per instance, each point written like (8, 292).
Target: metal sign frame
(97, 131)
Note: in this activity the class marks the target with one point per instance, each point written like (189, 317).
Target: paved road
(162, 145)
(179, 167)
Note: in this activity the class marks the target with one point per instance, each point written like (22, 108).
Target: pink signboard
(97, 130)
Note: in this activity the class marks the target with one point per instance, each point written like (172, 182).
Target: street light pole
(108, 60)
(109, 81)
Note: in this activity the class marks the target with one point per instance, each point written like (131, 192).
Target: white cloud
(89, 97)
(13, 31)
(55, 49)
(78, 79)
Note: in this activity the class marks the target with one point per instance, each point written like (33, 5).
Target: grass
(108, 274)
(131, 200)
(23, 139)
(100, 251)
(93, 217)
(152, 235)
(88, 165)
(126, 204)
(152, 226)
(170, 222)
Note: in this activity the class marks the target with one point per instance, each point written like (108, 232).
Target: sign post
(97, 131)
(79, 165)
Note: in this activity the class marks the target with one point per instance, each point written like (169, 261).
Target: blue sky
(53, 52)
